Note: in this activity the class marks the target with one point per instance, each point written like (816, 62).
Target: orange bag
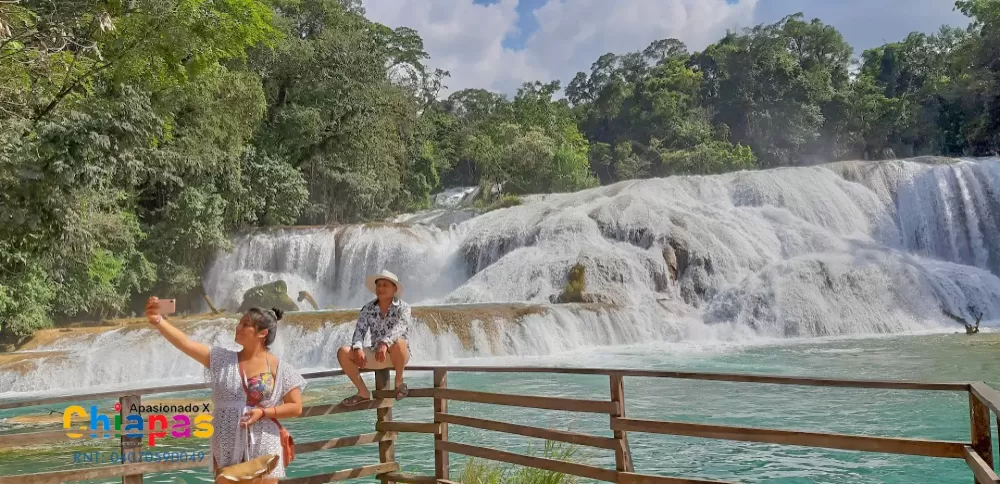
(287, 444)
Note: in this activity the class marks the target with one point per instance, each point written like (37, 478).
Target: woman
(270, 381)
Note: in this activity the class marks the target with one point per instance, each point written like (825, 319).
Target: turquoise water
(896, 413)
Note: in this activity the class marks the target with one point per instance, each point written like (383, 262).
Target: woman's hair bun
(277, 313)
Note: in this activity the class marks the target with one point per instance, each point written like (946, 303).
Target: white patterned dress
(230, 441)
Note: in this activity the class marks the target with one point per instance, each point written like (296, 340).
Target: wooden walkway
(976, 452)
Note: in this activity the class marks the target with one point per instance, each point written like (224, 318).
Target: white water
(109, 360)
(451, 207)
(912, 234)
(842, 249)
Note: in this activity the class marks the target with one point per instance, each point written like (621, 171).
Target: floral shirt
(386, 330)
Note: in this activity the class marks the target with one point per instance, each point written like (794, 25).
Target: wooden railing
(977, 452)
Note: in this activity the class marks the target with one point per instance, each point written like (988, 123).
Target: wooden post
(979, 420)
(441, 470)
(623, 454)
(131, 447)
(386, 448)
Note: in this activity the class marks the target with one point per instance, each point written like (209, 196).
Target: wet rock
(692, 271)
(267, 296)
(576, 284)
(306, 296)
(670, 257)
(585, 298)
(680, 255)
(575, 290)
(689, 296)
(696, 284)
(480, 252)
(663, 276)
(598, 298)
(639, 236)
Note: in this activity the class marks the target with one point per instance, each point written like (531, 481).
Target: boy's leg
(400, 354)
(351, 370)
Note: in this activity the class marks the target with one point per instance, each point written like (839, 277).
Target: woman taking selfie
(251, 390)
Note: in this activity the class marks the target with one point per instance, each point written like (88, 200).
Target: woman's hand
(153, 310)
(380, 353)
(255, 414)
(199, 351)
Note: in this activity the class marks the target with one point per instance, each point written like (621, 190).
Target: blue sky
(527, 24)
(498, 44)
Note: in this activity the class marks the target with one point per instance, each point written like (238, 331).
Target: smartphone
(168, 306)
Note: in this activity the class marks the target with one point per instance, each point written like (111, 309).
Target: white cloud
(465, 38)
(572, 34)
(461, 37)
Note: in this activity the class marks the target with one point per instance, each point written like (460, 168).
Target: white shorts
(372, 364)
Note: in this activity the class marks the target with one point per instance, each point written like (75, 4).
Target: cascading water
(110, 360)
(838, 249)
(332, 263)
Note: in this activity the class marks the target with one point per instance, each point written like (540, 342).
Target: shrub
(507, 201)
(479, 471)
(576, 284)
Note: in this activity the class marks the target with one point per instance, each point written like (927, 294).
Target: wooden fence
(976, 452)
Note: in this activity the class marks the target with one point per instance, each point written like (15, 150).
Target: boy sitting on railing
(387, 318)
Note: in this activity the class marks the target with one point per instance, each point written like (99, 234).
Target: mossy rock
(575, 290)
(576, 284)
(267, 296)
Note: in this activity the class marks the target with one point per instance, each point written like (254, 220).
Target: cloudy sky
(498, 44)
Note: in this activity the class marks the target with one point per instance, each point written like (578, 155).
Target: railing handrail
(632, 372)
(977, 452)
(184, 387)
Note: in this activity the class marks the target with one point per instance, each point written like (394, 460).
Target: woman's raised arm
(199, 351)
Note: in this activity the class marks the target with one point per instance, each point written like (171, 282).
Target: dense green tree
(771, 87)
(644, 115)
(107, 115)
(343, 96)
(136, 137)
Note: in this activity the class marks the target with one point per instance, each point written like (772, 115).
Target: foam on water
(109, 360)
(849, 248)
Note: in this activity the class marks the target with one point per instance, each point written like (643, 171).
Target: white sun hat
(370, 281)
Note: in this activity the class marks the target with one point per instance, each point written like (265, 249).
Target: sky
(499, 44)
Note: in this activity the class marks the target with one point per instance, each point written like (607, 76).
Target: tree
(91, 131)
(769, 86)
(136, 137)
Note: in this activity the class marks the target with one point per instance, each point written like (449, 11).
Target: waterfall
(846, 248)
(685, 239)
(125, 357)
(332, 263)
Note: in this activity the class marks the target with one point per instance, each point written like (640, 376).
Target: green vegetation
(506, 201)
(576, 285)
(135, 137)
(478, 471)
